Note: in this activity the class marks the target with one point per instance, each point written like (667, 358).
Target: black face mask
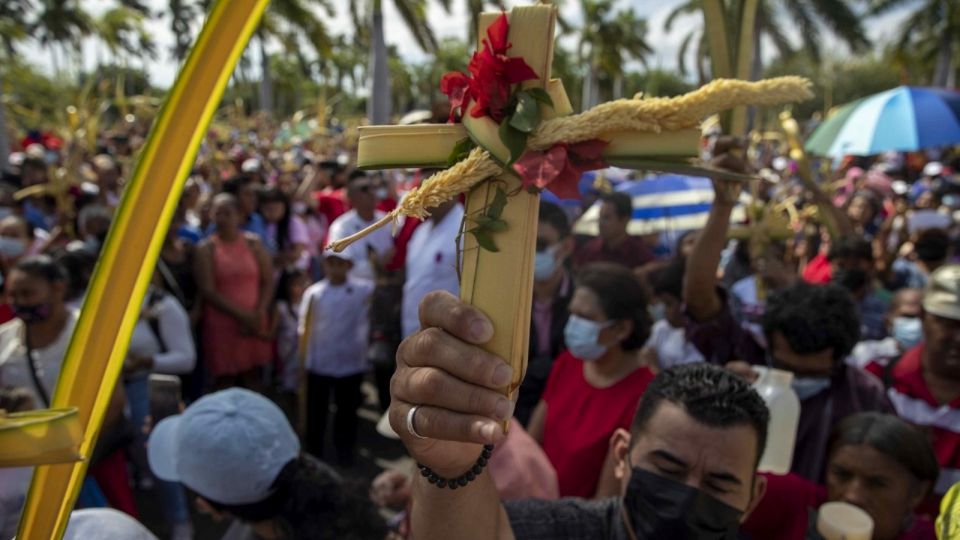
(851, 280)
(660, 508)
(32, 314)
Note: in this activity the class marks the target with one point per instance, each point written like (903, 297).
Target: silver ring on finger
(411, 414)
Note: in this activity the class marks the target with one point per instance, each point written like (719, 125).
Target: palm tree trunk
(378, 104)
(618, 86)
(266, 80)
(942, 74)
(4, 143)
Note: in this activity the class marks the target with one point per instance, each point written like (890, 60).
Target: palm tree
(60, 24)
(290, 22)
(183, 13)
(122, 30)
(931, 32)
(13, 29)
(368, 20)
(810, 18)
(608, 41)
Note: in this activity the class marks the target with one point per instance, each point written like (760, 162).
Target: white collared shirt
(339, 327)
(431, 265)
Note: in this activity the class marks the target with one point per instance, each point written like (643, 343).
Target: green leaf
(484, 239)
(460, 151)
(540, 95)
(499, 203)
(514, 140)
(527, 116)
(496, 225)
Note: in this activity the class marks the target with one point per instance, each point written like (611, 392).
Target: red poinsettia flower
(559, 168)
(492, 76)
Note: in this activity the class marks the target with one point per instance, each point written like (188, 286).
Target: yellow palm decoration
(95, 356)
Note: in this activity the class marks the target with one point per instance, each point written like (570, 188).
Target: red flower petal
(567, 183)
(540, 169)
(588, 155)
(517, 70)
(497, 34)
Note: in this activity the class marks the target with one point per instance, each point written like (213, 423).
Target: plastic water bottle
(843, 521)
(773, 385)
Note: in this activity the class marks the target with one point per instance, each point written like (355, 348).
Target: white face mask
(545, 263)
(582, 338)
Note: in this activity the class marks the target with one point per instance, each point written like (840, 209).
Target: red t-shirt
(818, 270)
(784, 511)
(332, 204)
(912, 400)
(581, 419)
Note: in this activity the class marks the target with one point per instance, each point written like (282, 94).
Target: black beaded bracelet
(463, 479)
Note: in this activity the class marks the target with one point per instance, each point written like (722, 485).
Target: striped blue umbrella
(905, 119)
(663, 203)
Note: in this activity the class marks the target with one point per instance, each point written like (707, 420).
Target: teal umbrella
(905, 119)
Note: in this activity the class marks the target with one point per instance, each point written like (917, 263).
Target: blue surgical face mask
(807, 387)
(657, 311)
(908, 331)
(545, 263)
(581, 336)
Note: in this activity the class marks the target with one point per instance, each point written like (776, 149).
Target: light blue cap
(228, 446)
(105, 524)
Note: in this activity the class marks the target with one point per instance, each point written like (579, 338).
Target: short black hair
(813, 318)
(932, 245)
(711, 395)
(233, 184)
(44, 267)
(621, 298)
(669, 279)
(621, 202)
(891, 436)
(309, 501)
(554, 216)
(847, 247)
(357, 173)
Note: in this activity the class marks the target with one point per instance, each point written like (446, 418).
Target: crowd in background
(859, 300)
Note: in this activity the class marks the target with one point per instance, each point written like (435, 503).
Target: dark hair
(892, 437)
(287, 276)
(871, 199)
(932, 245)
(43, 267)
(711, 395)
(79, 265)
(233, 184)
(554, 216)
(621, 202)
(669, 279)
(847, 247)
(310, 502)
(621, 298)
(813, 318)
(283, 227)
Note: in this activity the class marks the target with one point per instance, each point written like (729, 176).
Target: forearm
(472, 512)
(700, 277)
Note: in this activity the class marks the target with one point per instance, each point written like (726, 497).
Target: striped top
(913, 401)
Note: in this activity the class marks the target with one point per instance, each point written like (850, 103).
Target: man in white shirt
(378, 245)
(431, 263)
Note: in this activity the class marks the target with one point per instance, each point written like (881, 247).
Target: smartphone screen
(165, 396)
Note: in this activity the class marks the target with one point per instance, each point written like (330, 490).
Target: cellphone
(165, 396)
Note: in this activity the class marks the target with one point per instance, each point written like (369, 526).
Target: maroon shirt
(632, 252)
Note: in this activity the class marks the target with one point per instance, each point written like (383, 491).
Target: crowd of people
(636, 417)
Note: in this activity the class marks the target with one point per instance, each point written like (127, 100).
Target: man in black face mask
(687, 469)
(852, 266)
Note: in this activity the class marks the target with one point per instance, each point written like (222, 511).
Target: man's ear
(620, 445)
(759, 490)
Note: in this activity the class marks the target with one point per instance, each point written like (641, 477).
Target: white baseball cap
(933, 169)
(942, 293)
(228, 446)
(250, 165)
(105, 524)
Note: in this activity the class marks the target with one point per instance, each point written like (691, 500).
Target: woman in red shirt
(595, 385)
(877, 462)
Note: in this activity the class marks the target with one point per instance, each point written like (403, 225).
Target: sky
(162, 71)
